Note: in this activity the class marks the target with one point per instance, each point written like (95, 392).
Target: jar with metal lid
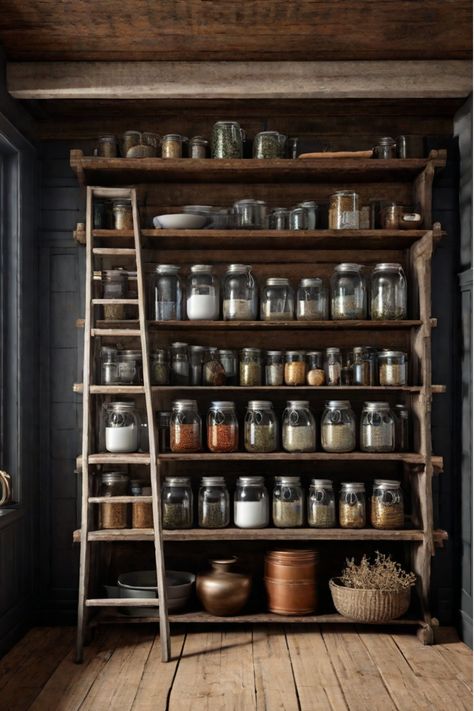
(180, 366)
(279, 218)
(130, 370)
(312, 213)
(109, 365)
(348, 292)
(113, 514)
(177, 503)
(288, 502)
(344, 210)
(295, 368)
(386, 148)
(274, 368)
(107, 146)
(299, 219)
(388, 294)
(277, 300)
(386, 506)
(333, 366)
(197, 355)
(269, 144)
(240, 294)
(321, 504)
(402, 428)
(251, 503)
(172, 145)
(299, 427)
(360, 366)
(123, 219)
(160, 367)
(377, 428)
(142, 511)
(227, 140)
(114, 286)
(202, 294)
(122, 427)
(230, 362)
(166, 297)
(352, 505)
(198, 147)
(163, 425)
(338, 427)
(393, 368)
(312, 300)
(185, 427)
(250, 214)
(222, 427)
(261, 427)
(213, 503)
(213, 373)
(315, 374)
(250, 367)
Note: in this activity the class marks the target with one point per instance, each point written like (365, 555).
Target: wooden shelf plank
(119, 328)
(138, 389)
(404, 457)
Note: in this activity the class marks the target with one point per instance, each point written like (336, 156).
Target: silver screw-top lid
(260, 405)
(288, 480)
(321, 483)
(352, 486)
(212, 481)
(184, 405)
(334, 404)
(348, 267)
(277, 281)
(386, 484)
(312, 282)
(250, 481)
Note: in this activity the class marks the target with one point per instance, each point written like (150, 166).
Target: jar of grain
(386, 148)
(269, 144)
(180, 366)
(185, 427)
(348, 292)
(288, 502)
(299, 427)
(109, 365)
(142, 511)
(261, 427)
(338, 427)
(250, 214)
(123, 219)
(202, 294)
(295, 368)
(321, 504)
(352, 507)
(312, 300)
(251, 504)
(166, 293)
(198, 147)
(122, 426)
(107, 146)
(113, 514)
(279, 218)
(386, 508)
(163, 419)
(227, 140)
(160, 367)
(213, 503)
(315, 374)
(344, 210)
(177, 503)
(402, 428)
(393, 367)
(388, 294)
(240, 294)
(230, 362)
(114, 286)
(333, 366)
(274, 368)
(130, 370)
(360, 366)
(277, 300)
(222, 427)
(250, 367)
(172, 145)
(377, 428)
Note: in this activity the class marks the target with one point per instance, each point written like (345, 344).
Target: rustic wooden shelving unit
(163, 186)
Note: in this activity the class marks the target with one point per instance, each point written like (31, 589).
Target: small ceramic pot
(222, 591)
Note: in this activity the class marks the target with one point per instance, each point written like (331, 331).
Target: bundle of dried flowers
(383, 574)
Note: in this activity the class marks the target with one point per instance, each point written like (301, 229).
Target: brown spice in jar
(113, 515)
(142, 515)
(185, 438)
(171, 147)
(222, 438)
(295, 373)
(386, 516)
(344, 211)
(392, 374)
(352, 515)
(316, 377)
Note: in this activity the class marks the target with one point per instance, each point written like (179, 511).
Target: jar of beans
(338, 427)
(250, 367)
(333, 366)
(312, 300)
(299, 427)
(386, 508)
(393, 368)
(274, 368)
(348, 293)
(277, 300)
(388, 300)
(288, 502)
(113, 514)
(261, 427)
(315, 374)
(377, 428)
(344, 210)
(185, 427)
(295, 368)
(222, 427)
(177, 503)
(321, 504)
(352, 507)
(214, 503)
(160, 367)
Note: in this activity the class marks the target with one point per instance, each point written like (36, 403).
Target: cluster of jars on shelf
(289, 507)
(115, 514)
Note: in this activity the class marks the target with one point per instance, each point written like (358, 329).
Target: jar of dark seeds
(388, 300)
(352, 507)
(177, 503)
(321, 504)
(214, 503)
(227, 140)
(269, 144)
(386, 509)
(377, 428)
(338, 427)
(274, 368)
(288, 502)
(250, 367)
(261, 427)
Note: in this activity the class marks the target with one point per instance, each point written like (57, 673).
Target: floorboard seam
(143, 672)
(334, 669)
(292, 669)
(254, 673)
(168, 695)
(361, 637)
(100, 672)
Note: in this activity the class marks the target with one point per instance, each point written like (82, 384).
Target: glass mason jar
(386, 148)
(114, 286)
(269, 144)
(352, 507)
(402, 428)
(312, 213)
(198, 147)
(251, 504)
(344, 210)
(130, 370)
(163, 424)
(142, 511)
(338, 427)
(185, 427)
(386, 505)
(315, 374)
(213, 503)
(333, 366)
(109, 365)
(388, 293)
(122, 427)
(279, 219)
(172, 145)
(213, 373)
(393, 367)
(166, 297)
(360, 366)
(180, 366)
(391, 215)
(312, 300)
(377, 428)
(288, 502)
(160, 367)
(250, 367)
(240, 294)
(107, 146)
(295, 368)
(197, 355)
(250, 214)
(299, 219)
(177, 503)
(123, 219)
(222, 427)
(299, 427)
(277, 300)
(129, 140)
(230, 362)
(348, 292)
(261, 427)
(227, 140)
(202, 294)
(274, 368)
(321, 504)
(113, 514)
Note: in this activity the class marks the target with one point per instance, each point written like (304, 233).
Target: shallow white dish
(179, 222)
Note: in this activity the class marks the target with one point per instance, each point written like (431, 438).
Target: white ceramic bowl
(180, 222)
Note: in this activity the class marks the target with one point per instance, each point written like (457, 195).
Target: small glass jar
(333, 366)
(274, 368)
(388, 294)
(299, 427)
(321, 504)
(344, 211)
(122, 427)
(180, 366)
(352, 506)
(312, 213)
(166, 297)
(299, 219)
(109, 366)
(348, 292)
(160, 367)
(261, 427)
(142, 511)
(213, 503)
(177, 503)
(222, 427)
(269, 144)
(312, 300)
(402, 428)
(288, 502)
(377, 428)
(113, 514)
(277, 300)
(364, 217)
(371, 354)
(114, 286)
(338, 427)
(230, 363)
(240, 294)
(129, 140)
(163, 424)
(295, 368)
(123, 219)
(250, 214)
(391, 215)
(250, 367)
(360, 366)
(251, 503)
(279, 219)
(107, 146)
(198, 147)
(393, 367)
(386, 148)
(185, 427)
(197, 355)
(227, 140)
(386, 506)
(202, 294)
(213, 373)
(172, 145)
(346, 370)
(315, 374)
(130, 371)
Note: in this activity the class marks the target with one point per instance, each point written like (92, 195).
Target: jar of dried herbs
(113, 514)
(261, 427)
(321, 504)
(388, 300)
(338, 427)
(114, 286)
(222, 427)
(198, 147)
(295, 368)
(312, 300)
(352, 507)
(315, 374)
(163, 418)
(250, 367)
(277, 300)
(180, 366)
(185, 427)
(333, 366)
(172, 145)
(274, 368)
(227, 140)
(377, 428)
(402, 428)
(393, 368)
(348, 292)
(344, 211)
(213, 503)
(288, 502)
(269, 144)
(177, 503)
(386, 506)
(142, 511)
(160, 367)
(299, 427)
(123, 219)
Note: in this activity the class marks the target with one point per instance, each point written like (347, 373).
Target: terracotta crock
(222, 591)
(290, 581)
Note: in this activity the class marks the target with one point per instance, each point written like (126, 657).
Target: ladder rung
(108, 458)
(112, 193)
(119, 332)
(123, 602)
(112, 302)
(114, 251)
(110, 389)
(120, 499)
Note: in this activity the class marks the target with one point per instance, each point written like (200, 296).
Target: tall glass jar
(315, 374)
(278, 219)
(166, 298)
(109, 365)
(130, 365)
(177, 503)
(352, 506)
(333, 366)
(321, 504)
(230, 363)
(295, 368)
(250, 367)
(274, 368)
(338, 427)
(388, 300)
(160, 367)
(172, 145)
(198, 147)
(163, 419)
(213, 373)
(402, 428)
(312, 213)
(269, 144)
(185, 427)
(197, 355)
(123, 217)
(142, 511)
(348, 292)
(202, 294)
(277, 300)
(227, 140)
(344, 211)
(222, 427)
(377, 428)
(240, 294)
(113, 514)
(288, 502)
(213, 503)
(114, 286)
(386, 505)
(261, 427)
(360, 366)
(393, 368)
(312, 300)
(251, 503)
(180, 366)
(299, 427)
(122, 427)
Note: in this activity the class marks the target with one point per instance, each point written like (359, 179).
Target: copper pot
(290, 581)
(222, 591)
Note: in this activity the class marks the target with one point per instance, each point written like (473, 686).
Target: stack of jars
(113, 514)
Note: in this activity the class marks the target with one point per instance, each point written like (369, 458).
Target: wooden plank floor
(249, 668)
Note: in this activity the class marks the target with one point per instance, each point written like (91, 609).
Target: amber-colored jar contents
(113, 514)
(185, 427)
(222, 427)
(386, 510)
(142, 512)
(295, 368)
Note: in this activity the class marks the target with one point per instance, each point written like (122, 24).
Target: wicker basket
(369, 605)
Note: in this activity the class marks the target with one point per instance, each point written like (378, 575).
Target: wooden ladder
(90, 332)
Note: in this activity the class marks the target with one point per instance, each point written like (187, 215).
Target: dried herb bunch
(383, 574)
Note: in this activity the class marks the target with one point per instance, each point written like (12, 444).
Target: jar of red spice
(185, 427)
(222, 427)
